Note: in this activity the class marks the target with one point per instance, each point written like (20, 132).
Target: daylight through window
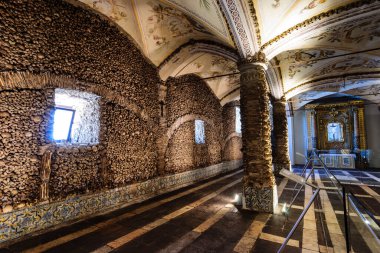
(237, 120)
(76, 117)
(199, 132)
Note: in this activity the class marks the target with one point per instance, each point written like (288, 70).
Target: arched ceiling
(208, 66)
(207, 38)
(298, 67)
(160, 27)
(370, 93)
(337, 57)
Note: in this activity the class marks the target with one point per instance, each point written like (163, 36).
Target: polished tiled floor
(201, 218)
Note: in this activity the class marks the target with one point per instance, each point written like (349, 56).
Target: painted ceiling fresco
(160, 27)
(371, 93)
(358, 33)
(276, 16)
(332, 53)
(207, 65)
(302, 66)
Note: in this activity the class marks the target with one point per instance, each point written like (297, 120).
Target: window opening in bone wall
(199, 132)
(83, 126)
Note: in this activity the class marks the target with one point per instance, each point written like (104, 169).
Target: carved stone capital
(252, 61)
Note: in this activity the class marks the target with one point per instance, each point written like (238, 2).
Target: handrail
(369, 213)
(349, 200)
(373, 244)
(298, 221)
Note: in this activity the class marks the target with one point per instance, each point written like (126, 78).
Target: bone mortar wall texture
(190, 95)
(231, 140)
(24, 118)
(131, 147)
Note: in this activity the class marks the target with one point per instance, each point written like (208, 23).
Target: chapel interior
(190, 126)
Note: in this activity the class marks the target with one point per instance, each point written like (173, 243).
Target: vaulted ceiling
(312, 45)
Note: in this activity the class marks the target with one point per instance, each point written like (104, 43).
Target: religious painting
(335, 132)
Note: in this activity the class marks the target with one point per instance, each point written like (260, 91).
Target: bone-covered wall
(23, 128)
(232, 143)
(49, 44)
(189, 97)
(131, 149)
(44, 41)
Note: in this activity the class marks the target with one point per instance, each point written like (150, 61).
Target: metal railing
(356, 216)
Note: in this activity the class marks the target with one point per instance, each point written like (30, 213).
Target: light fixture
(237, 199)
(284, 209)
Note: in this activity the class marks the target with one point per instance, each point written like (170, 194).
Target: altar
(340, 161)
(337, 131)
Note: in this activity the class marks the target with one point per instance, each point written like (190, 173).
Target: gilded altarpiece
(328, 118)
(337, 127)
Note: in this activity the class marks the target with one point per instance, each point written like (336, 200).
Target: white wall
(372, 125)
(291, 139)
(300, 136)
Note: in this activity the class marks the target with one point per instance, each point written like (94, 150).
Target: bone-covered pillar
(281, 150)
(259, 188)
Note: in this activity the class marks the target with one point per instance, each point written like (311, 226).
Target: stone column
(259, 188)
(356, 140)
(281, 151)
(313, 130)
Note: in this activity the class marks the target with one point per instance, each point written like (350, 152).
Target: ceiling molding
(227, 23)
(241, 28)
(275, 81)
(256, 25)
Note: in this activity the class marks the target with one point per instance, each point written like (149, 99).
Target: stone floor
(201, 218)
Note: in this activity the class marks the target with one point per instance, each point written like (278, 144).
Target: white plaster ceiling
(298, 66)
(162, 29)
(276, 16)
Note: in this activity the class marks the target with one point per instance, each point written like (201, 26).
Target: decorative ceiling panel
(370, 92)
(276, 16)
(307, 97)
(206, 12)
(301, 66)
(357, 34)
